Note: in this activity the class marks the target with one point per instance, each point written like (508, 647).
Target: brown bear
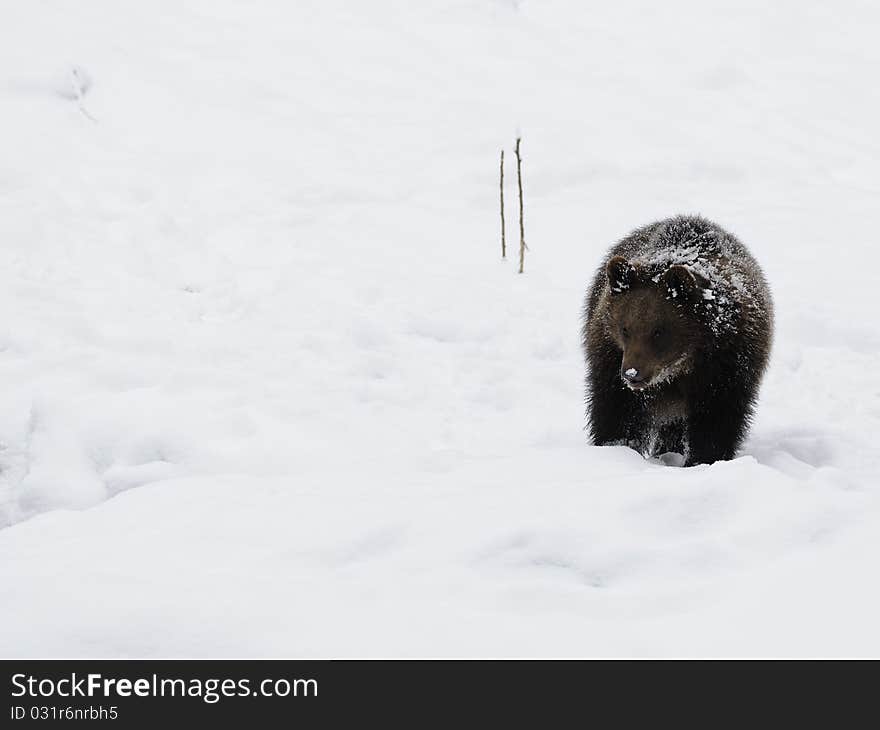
(678, 325)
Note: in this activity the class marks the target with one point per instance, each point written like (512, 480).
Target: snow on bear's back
(733, 286)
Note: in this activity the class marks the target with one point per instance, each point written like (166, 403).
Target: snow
(269, 389)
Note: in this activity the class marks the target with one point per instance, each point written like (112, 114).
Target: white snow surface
(269, 389)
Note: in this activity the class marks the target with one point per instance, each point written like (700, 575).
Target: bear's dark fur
(678, 325)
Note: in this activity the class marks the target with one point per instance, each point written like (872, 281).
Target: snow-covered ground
(268, 388)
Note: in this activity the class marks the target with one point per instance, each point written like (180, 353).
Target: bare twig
(522, 235)
(503, 239)
(80, 85)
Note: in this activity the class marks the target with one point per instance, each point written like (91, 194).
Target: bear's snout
(632, 376)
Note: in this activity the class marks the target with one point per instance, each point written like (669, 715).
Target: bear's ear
(620, 274)
(680, 282)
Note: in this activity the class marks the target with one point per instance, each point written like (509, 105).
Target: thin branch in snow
(522, 235)
(80, 83)
(503, 239)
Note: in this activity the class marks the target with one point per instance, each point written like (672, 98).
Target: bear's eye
(657, 333)
(625, 332)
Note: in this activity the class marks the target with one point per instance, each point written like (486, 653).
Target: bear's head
(651, 323)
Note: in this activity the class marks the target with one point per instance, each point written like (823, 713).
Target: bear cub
(678, 325)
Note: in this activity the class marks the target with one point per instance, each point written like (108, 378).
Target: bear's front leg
(614, 413)
(716, 426)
